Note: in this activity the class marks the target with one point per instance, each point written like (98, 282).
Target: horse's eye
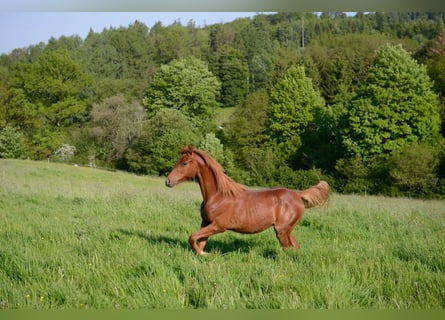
(184, 163)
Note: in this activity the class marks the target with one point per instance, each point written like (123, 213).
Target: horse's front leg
(198, 239)
(202, 242)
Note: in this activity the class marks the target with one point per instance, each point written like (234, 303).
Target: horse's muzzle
(170, 183)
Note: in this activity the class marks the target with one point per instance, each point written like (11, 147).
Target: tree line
(278, 99)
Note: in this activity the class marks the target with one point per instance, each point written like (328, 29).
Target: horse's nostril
(169, 183)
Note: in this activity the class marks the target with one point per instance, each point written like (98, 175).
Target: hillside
(75, 237)
(358, 98)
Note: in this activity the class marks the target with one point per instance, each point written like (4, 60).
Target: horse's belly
(251, 221)
(253, 212)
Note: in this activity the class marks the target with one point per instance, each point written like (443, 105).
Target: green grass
(223, 115)
(73, 237)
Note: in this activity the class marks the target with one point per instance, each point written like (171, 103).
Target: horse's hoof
(203, 253)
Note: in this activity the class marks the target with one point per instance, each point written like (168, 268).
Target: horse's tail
(317, 195)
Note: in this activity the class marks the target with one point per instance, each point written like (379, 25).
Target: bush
(65, 152)
(12, 143)
(355, 175)
(159, 146)
(413, 169)
(297, 179)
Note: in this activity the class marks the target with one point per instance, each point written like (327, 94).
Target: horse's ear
(187, 149)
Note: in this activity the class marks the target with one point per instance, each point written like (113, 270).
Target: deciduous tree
(185, 85)
(293, 101)
(115, 125)
(246, 129)
(46, 97)
(157, 149)
(395, 107)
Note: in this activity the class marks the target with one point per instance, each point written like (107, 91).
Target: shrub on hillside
(12, 143)
(413, 169)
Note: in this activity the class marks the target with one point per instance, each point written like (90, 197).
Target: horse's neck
(207, 182)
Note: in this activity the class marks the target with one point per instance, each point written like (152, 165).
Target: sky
(22, 29)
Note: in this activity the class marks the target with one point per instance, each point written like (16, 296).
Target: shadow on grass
(154, 239)
(213, 245)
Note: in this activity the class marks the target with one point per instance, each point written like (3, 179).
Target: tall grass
(73, 237)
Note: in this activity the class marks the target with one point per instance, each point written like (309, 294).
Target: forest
(278, 99)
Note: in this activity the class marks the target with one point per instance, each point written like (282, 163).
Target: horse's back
(274, 195)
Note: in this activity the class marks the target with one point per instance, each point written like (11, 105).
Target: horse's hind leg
(292, 240)
(287, 222)
(286, 239)
(283, 237)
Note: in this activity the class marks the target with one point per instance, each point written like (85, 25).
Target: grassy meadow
(82, 238)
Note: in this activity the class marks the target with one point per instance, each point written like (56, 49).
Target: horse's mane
(225, 185)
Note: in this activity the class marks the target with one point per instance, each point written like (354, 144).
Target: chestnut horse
(228, 205)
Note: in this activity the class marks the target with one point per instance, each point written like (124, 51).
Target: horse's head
(186, 168)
